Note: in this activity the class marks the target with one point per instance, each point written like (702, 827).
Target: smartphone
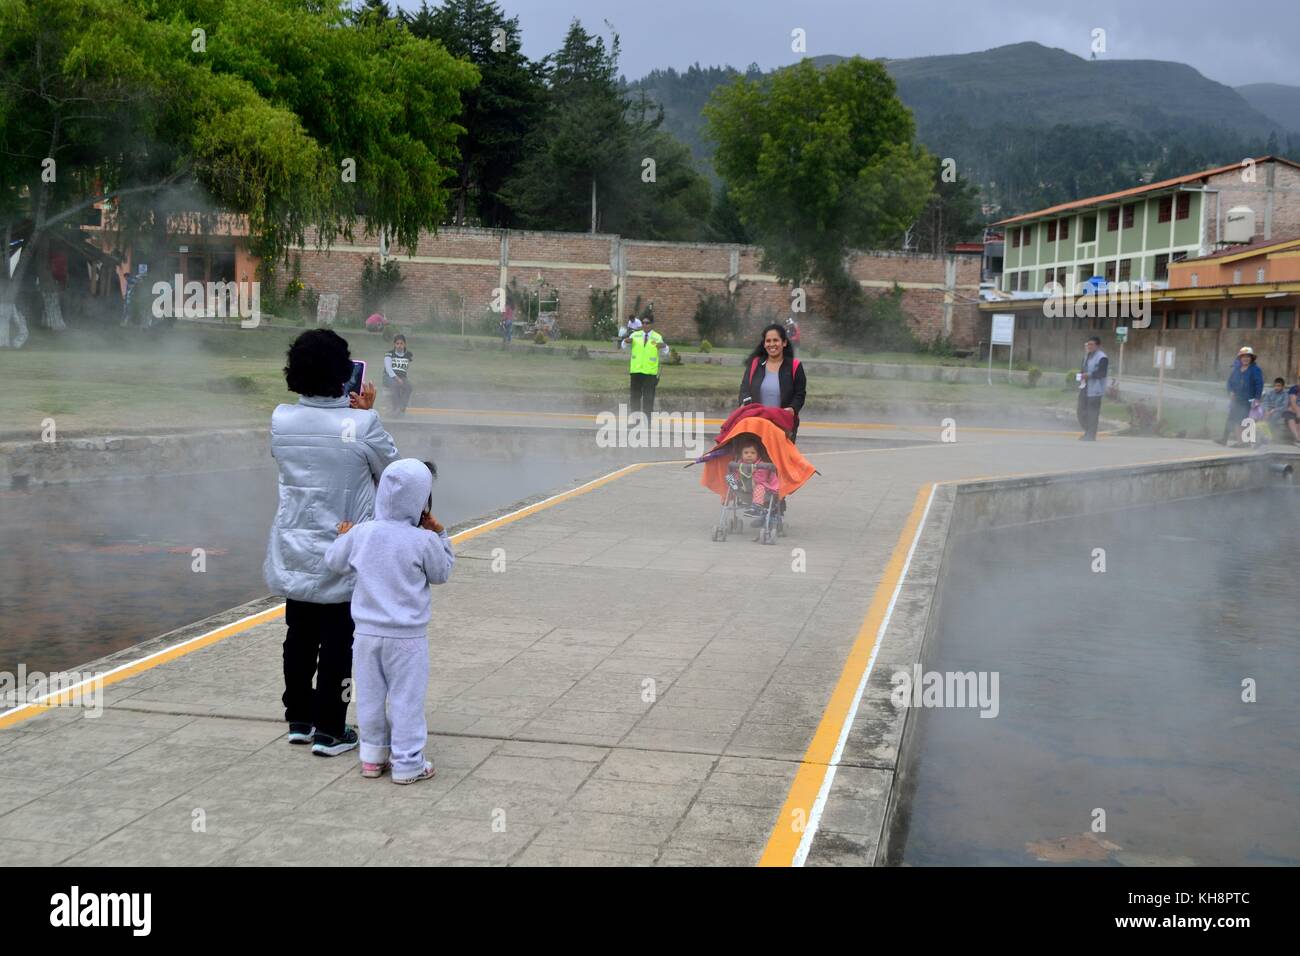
(357, 379)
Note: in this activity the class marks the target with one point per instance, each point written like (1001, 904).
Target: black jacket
(794, 385)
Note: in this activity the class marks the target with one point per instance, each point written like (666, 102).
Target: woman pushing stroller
(773, 377)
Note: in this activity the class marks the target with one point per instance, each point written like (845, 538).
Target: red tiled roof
(1137, 190)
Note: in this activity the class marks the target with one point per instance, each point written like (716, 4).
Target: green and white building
(1134, 234)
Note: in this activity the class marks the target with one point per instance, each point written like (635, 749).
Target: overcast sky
(1233, 43)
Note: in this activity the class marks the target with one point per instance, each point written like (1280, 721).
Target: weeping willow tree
(280, 111)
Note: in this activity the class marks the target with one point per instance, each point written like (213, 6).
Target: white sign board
(327, 308)
(1004, 330)
(1164, 356)
(1121, 334)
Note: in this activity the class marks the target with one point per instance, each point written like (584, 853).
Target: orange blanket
(792, 468)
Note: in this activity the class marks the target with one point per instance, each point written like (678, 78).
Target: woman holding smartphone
(330, 448)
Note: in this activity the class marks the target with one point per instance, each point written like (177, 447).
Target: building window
(1196, 280)
(1027, 236)
(1065, 229)
(1178, 320)
(1110, 271)
(1162, 267)
(1184, 205)
(1166, 209)
(1085, 272)
(1241, 319)
(1125, 270)
(1236, 277)
(1089, 229)
(1129, 212)
(1279, 318)
(1112, 219)
(1208, 319)
(1259, 274)
(1060, 277)
(1051, 231)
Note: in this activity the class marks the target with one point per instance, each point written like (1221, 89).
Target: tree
(951, 215)
(262, 107)
(598, 160)
(499, 113)
(575, 150)
(818, 162)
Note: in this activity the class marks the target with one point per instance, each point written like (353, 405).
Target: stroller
(734, 482)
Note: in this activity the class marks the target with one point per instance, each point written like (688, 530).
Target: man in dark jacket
(1092, 387)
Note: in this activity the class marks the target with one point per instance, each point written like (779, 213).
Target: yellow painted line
(72, 694)
(24, 712)
(802, 804)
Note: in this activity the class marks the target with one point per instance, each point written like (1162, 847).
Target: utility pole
(593, 205)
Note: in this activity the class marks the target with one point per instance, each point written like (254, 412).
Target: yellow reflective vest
(645, 348)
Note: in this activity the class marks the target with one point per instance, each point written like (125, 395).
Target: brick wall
(674, 276)
(1282, 195)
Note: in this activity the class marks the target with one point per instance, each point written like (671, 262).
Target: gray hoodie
(395, 560)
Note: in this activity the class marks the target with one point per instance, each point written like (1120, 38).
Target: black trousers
(319, 644)
(643, 393)
(1089, 413)
(399, 392)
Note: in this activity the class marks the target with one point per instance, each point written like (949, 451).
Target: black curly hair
(319, 363)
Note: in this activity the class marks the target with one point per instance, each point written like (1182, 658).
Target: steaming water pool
(91, 568)
(1120, 691)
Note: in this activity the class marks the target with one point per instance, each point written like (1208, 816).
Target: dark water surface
(90, 568)
(1119, 691)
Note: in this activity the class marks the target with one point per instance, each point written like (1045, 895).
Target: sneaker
(373, 770)
(427, 773)
(754, 512)
(327, 746)
(301, 733)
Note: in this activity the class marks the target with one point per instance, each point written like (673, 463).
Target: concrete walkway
(608, 686)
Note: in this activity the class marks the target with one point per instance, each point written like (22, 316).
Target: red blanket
(778, 416)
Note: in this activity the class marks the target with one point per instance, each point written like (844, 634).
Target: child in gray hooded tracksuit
(396, 557)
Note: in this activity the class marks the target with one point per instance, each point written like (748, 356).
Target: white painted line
(814, 816)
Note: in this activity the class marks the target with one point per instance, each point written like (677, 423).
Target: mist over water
(90, 568)
(1119, 690)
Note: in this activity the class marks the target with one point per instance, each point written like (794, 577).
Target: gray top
(769, 390)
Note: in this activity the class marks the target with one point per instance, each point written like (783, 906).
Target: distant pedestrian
(1245, 387)
(397, 367)
(508, 325)
(644, 344)
(1092, 387)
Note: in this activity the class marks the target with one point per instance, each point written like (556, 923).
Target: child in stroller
(752, 478)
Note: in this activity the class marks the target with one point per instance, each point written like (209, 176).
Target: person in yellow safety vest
(645, 344)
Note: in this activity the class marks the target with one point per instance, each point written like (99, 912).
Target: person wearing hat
(1245, 386)
(644, 343)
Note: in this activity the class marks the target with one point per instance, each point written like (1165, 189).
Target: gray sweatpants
(393, 671)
